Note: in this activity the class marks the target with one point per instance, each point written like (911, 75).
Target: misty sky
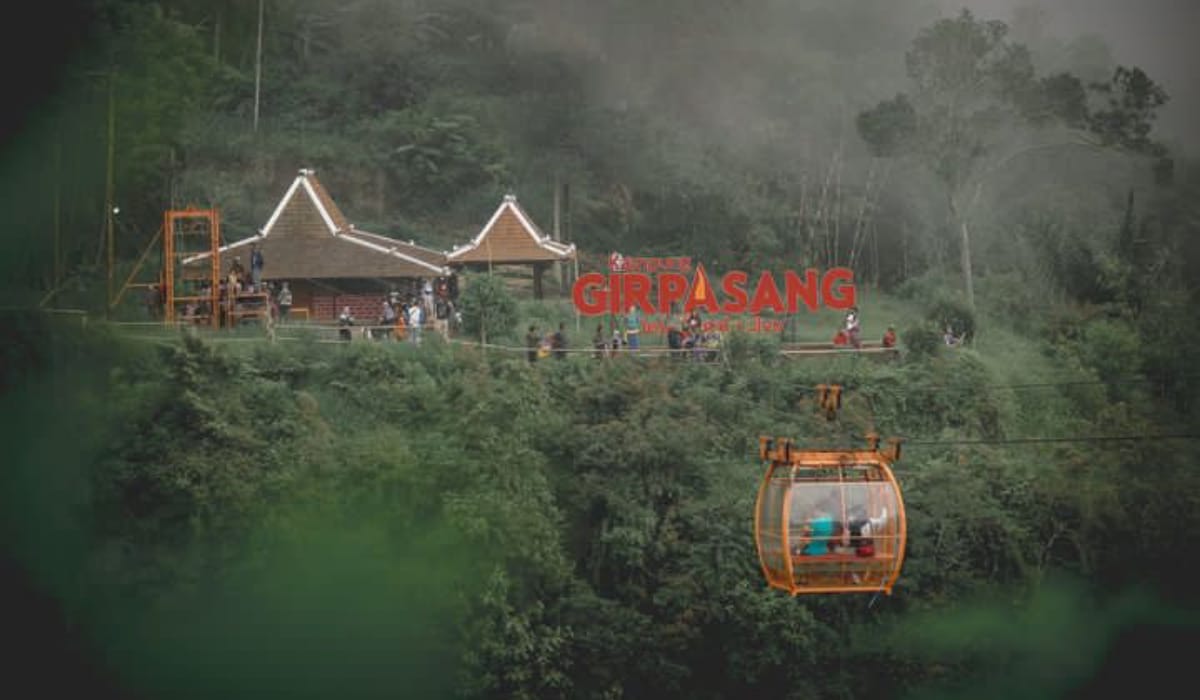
(1157, 35)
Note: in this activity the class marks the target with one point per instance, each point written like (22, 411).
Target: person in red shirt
(889, 338)
(841, 339)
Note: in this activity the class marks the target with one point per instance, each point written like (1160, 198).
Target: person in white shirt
(852, 327)
(416, 317)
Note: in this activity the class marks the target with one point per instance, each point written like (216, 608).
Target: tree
(488, 310)
(977, 104)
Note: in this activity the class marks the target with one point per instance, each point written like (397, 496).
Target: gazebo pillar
(539, 270)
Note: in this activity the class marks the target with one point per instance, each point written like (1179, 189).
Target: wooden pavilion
(511, 237)
(327, 262)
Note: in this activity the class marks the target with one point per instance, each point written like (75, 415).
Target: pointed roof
(308, 236)
(511, 237)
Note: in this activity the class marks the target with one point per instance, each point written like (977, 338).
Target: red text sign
(596, 294)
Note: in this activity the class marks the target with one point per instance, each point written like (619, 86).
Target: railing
(299, 321)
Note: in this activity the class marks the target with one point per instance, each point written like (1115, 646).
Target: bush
(1112, 348)
(927, 287)
(1016, 297)
(922, 340)
(741, 347)
(955, 314)
(488, 310)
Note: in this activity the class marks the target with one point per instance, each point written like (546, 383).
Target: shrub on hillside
(1112, 348)
(921, 340)
(926, 287)
(1017, 297)
(488, 310)
(741, 347)
(945, 311)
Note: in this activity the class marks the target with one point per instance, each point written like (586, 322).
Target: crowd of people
(405, 318)
(241, 294)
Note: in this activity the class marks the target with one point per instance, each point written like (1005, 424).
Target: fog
(1156, 35)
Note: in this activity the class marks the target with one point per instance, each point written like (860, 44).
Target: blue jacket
(822, 531)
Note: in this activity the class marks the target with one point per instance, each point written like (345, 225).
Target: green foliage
(489, 311)
(950, 313)
(578, 529)
(977, 104)
(1111, 348)
(889, 126)
(432, 154)
(741, 347)
(922, 340)
(1133, 97)
(521, 653)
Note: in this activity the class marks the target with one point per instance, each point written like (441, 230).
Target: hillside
(579, 528)
(219, 515)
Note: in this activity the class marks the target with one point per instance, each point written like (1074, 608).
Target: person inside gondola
(819, 529)
(861, 528)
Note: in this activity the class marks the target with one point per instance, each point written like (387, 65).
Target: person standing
(441, 316)
(416, 318)
(558, 344)
(285, 302)
(633, 324)
(345, 321)
(531, 344)
(599, 344)
(427, 297)
(256, 266)
(675, 342)
(852, 328)
(387, 321)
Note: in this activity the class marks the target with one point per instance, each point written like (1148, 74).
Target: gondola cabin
(829, 521)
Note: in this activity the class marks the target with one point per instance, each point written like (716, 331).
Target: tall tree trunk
(58, 272)
(822, 213)
(217, 36)
(380, 194)
(258, 64)
(556, 232)
(960, 220)
(875, 251)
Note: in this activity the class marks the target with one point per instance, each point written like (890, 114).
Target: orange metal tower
(186, 233)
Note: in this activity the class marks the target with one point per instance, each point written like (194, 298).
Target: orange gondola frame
(846, 489)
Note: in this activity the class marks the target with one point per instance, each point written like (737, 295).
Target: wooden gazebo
(327, 262)
(511, 237)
